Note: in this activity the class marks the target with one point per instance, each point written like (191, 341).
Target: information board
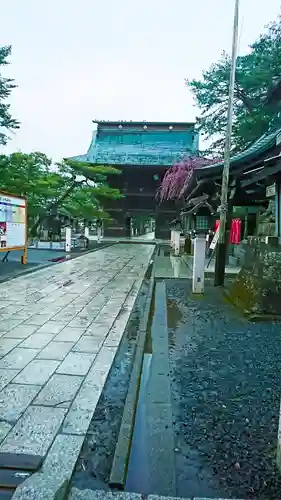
(12, 222)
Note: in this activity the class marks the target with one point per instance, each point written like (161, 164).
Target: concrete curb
(105, 495)
(122, 451)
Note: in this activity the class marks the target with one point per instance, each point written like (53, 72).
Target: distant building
(143, 151)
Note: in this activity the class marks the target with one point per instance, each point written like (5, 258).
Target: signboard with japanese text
(13, 219)
(215, 239)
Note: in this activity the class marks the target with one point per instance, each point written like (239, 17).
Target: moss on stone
(257, 288)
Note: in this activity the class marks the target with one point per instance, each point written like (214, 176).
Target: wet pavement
(207, 416)
(207, 419)
(94, 464)
(37, 259)
(60, 330)
(168, 265)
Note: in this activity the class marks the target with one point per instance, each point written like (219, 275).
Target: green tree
(257, 102)
(7, 123)
(85, 189)
(76, 187)
(29, 175)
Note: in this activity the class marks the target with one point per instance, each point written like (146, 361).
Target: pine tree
(7, 123)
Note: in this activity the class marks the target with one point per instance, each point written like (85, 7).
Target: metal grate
(202, 222)
(14, 470)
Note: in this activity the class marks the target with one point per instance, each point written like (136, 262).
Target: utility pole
(222, 243)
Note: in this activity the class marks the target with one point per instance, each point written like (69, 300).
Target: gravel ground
(225, 380)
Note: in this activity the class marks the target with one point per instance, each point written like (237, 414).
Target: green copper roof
(141, 143)
(261, 145)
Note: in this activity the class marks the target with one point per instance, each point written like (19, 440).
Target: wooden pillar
(245, 234)
(278, 211)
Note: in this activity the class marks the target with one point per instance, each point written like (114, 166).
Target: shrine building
(143, 151)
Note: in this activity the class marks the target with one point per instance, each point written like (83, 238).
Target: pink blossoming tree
(178, 177)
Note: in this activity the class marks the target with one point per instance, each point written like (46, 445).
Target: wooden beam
(198, 199)
(199, 184)
(262, 174)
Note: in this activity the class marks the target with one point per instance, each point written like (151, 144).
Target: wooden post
(221, 246)
(24, 256)
(246, 223)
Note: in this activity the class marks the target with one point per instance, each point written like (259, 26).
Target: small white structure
(68, 239)
(176, 265)
(99, 234)
(86, 232)
(177, 237)
(172, 241)
(199, 265)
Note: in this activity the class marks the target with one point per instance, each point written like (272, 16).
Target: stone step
(233, 261)
(76, 494)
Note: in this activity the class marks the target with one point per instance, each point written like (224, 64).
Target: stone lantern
(198, 221)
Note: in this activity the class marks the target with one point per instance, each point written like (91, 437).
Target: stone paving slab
(60, 329)
(105, 495)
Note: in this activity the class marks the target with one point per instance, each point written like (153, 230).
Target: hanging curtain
(235, 232)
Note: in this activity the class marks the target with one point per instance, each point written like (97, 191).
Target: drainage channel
(95, 462)
(151, 464)
(217, 433)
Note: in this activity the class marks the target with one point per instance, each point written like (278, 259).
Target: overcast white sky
(75, 61)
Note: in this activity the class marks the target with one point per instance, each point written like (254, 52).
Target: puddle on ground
(174, 314)
(168, 265)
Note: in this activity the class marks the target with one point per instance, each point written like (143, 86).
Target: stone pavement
(60, 329)
(103, 495)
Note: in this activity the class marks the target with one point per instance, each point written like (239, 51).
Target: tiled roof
(261, 145)
(141, 145)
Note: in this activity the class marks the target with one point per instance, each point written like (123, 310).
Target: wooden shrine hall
(254, 180)
(143, 151)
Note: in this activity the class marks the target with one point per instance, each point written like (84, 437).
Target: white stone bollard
(176, 265)
(177, 242)
(99, 234)
(68, 239)
(199, 265)
(172, 238)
